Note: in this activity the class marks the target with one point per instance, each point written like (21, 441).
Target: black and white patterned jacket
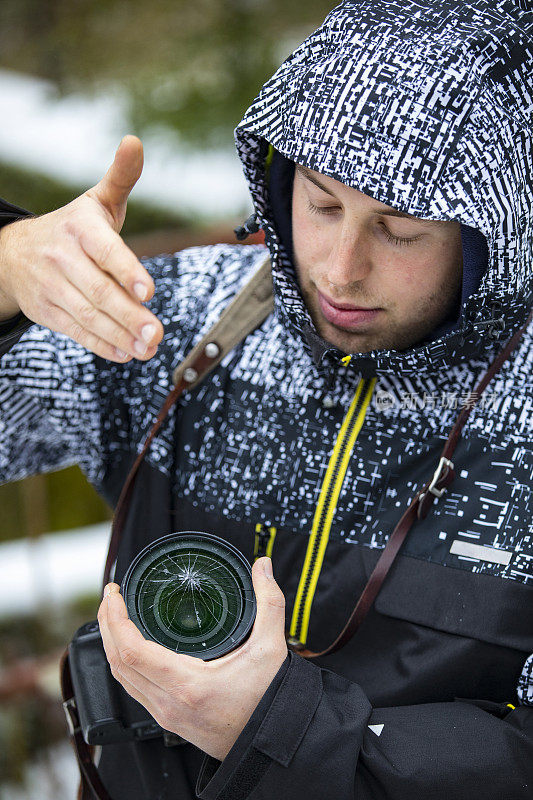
(428, 108)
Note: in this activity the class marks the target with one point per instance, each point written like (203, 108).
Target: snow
(74, 139)
(52, 569)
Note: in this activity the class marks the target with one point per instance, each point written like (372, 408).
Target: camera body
(107, 713)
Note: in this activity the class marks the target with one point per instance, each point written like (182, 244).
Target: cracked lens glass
(191, 592)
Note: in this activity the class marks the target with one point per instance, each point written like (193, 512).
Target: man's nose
(350, 260)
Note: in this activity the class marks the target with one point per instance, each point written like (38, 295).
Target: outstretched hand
(208, 703)
(70, 271)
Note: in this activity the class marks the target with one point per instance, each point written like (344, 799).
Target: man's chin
(361, 342)
(350, 342)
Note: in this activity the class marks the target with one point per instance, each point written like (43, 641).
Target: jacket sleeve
(12, 329)
(10, 213)
(50, 397)
(56, 396)
(50, 409)
(318, 736)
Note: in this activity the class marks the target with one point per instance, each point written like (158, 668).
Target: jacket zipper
(327, 502)
(264, 540)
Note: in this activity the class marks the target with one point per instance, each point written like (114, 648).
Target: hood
(425, 107)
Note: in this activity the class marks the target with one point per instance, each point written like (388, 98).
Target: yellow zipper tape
(324, 531)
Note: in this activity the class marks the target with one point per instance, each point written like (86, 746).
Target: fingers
(114, 188)
(103, 308)
(269, 626)
(61, 321)
(111, 254)
(126, 643)
(69, 270)
(103, 315)
(137, 685)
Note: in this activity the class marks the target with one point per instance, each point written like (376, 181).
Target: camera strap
(248, 310)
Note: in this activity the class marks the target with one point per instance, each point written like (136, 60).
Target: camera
(191, 592)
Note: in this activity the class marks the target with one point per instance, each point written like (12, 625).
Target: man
(409, 125)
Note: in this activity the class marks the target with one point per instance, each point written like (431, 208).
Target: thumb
(114, 188)
(270, 617)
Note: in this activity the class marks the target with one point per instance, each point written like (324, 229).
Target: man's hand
(208, 703)
(70, 271)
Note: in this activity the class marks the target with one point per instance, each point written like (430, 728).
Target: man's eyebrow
(306, 173)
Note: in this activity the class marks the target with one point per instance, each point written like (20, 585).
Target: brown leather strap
(418, 509)
(201, 366)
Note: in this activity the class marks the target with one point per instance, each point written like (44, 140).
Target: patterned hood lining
(425, 107)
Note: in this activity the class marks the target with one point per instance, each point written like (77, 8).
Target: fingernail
(140, 348)
(148, 332)
(267, 568)
(140, 290)
(120, 353)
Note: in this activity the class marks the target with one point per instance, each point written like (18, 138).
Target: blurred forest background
(181, 72)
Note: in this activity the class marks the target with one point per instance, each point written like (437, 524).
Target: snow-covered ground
(75, 138)
(52, 569)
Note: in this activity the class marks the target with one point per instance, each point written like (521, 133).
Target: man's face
(349, 250)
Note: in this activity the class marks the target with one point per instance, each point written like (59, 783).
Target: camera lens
(191, 592)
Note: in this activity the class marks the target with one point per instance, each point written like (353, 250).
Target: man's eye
(396, 240)
(321, 209)
(399, 240)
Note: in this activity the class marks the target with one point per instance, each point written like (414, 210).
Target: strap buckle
(71, 713)
(444, 462)
(443, 466)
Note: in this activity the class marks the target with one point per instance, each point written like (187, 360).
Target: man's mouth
(345, 315)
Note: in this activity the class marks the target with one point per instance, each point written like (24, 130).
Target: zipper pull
(262, 539)
(294, 643)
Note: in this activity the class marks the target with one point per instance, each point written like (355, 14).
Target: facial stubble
(387, 333)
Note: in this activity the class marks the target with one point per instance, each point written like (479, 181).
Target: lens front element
(191, 592)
